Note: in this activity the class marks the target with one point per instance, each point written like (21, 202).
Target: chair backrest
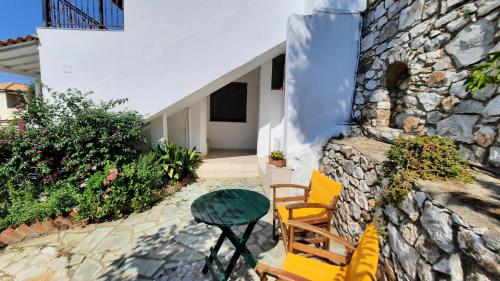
(364, 260)
(323, 188)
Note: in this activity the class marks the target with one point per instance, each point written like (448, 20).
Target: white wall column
(198, 126)
(271, 103)
(165, 126)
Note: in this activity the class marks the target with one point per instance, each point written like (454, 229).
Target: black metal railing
(83, 14)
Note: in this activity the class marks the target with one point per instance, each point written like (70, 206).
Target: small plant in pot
(277, 158)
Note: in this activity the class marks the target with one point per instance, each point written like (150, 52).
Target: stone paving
(163, 243)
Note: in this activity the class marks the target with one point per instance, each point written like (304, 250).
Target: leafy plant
(116, 191)
(60, 142)
(421, 157)
(65, 139)
(179, 162)
(172, 164)
(484, 74)
(28, 209)
(277, 155)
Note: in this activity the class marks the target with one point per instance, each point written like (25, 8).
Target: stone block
(493, 107)
(458, 127)
(411, 14)
(485, 136)
(472, 43)
(469, 107)
(406, 254)
(429, 101)
(438, 226)
(494, 156)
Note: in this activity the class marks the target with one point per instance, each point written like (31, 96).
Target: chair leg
(284, 231)
(326, 245)
(275, 237)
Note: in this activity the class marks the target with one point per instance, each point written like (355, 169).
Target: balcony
(83, 14)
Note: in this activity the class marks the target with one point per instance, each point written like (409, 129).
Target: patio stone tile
(87, 270)
(141, 267)
(143, 226)
(30, 272)
(164, 243)
(114, 242)
(90, 242)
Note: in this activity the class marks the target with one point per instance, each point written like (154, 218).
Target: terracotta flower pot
(280, 163)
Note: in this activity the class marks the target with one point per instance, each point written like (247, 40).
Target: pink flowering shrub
(118, 190)
(62, 142)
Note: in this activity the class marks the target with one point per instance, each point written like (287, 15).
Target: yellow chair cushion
(323, 188)
(301, 214)
(364, 260)
(362, 266)
(312, 269)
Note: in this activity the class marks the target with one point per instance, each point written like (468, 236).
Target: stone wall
(414, 59)
(425, 240)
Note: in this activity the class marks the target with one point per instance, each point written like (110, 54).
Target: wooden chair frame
(325, 222)
(264, 270)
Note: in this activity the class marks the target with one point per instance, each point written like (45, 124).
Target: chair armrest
(274, 187)
(297, 224)
(292, 185)
(263, 270)
(308, 205)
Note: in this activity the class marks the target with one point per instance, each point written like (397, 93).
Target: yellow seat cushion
(312, 269)
(323, 188)
(364, 261)
(362, 265)
(301, 214)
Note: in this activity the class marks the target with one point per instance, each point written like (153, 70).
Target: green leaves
(179, 162)
(421, 157)
(63, 140)
(132, 189)
(277, 155)
(484, 74)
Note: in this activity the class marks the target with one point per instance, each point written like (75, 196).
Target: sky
(18, 18)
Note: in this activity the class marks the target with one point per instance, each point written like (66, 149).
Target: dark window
(278, 72)
(229, 104)
(14, 100)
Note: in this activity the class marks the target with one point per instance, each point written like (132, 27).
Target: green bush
(178, 162)
(26, 208)
(118, 190)
(68, 137)
(421, 157)
(60, 142)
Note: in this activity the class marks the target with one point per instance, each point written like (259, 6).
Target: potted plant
(277, 158)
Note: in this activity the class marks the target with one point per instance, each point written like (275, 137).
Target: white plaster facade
(172, 55)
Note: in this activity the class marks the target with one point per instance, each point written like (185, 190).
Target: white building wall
(238, 135)
(156, 131)
(322, 55)
(198, 126)
(7, 113)
(168, 50)
(178, 129)
(270, 132)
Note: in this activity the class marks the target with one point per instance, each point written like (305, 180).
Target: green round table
(224, 209)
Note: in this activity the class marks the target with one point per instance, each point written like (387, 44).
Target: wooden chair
(358, 264)
(317, 206)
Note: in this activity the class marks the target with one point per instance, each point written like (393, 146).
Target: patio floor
(229, 163)
(163, 243)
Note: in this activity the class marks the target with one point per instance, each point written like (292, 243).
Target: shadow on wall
(322, 52)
